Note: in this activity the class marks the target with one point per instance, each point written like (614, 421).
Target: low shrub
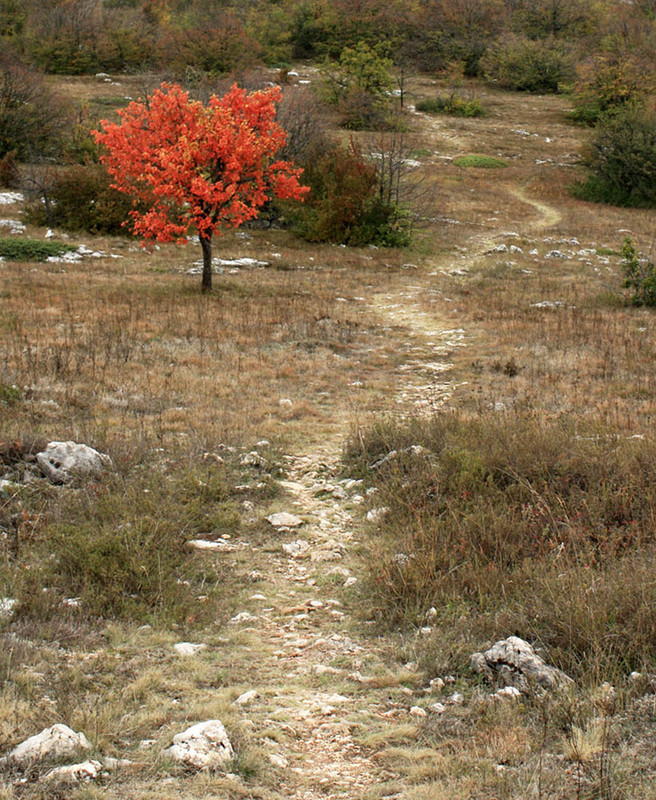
(344, 205)
(515, 527)
(622, 160)
(541, 66)
(118, 549)
(639, 275)
(13, 249)
(453, 104)
(480, 162)
(81, 199)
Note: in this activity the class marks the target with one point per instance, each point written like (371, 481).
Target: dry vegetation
(125, 354)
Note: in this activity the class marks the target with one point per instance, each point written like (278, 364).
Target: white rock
(75, 773)
(376, 514)
(514, 662)
(437, 708)
(8, 198)
(284, 520)
(456, 698)
(243, 616)
(253, 460)
(60, 462)
(246, 698)
(437, 684)
(285, 402)
(205, 544)
(351, 581)
(417, 711)
(204, 746)
(188, 648)
(7, 605)
(296, 549)
(278, 761)
(508, 693)
(59, 741)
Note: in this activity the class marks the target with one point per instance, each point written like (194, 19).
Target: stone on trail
(284, 520)
(61, 462)
(75, 773)
(56, 742)
(205, 746)
(513, 662)
(188, 648)
(296, 549)
(246, 698)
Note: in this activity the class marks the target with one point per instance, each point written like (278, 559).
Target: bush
(82, 199)
(515, 527)
(525, 65)
(31, 118)
(622, 160)
(608, 86)
(31, 249)
(344, 205)
(453, 104)
(639, 275)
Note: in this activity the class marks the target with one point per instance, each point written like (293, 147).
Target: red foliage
(198, 167)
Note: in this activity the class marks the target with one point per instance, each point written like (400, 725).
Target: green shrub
(516, 527)
(622, 160)
(639, 275)
(452, 104)
(344, 205)
(482, 162)
(525, 65)
(31, 249)
(82, 199)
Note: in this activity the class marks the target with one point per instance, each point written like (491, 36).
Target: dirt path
(331, 698)
(549, 216)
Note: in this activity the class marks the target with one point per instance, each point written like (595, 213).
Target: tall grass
(517, 526)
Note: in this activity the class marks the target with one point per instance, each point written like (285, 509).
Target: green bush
(83, 200)
(31, 249)
(344, 204)
(622, 160)
(452, 104)
(517, 527)
(525, 65)
(639, 275)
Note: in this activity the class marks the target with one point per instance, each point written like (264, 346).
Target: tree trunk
(206, 244)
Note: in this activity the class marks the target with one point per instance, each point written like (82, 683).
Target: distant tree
(31, 118)
(196, 167)
(359, 85)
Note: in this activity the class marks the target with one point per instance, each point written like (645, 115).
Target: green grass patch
(483, 162)
(454, 105)
(32, 249)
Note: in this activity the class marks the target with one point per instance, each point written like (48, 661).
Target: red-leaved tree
(198, 168)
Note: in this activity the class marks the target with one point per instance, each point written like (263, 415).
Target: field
(502, 331)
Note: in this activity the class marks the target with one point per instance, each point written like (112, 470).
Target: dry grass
(125, 354)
